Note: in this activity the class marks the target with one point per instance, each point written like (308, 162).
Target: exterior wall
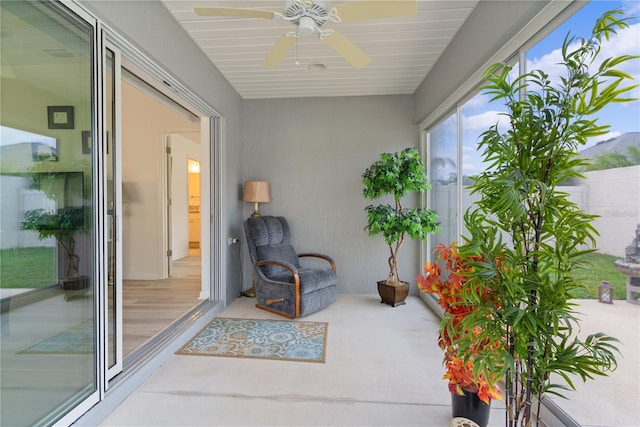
(313, 152)
(613, 195)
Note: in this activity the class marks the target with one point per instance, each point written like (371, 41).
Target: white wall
(313, 152)
(145, 123)
(613, 195)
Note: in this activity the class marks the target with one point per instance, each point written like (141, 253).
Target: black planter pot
(470, 407)
(74, 287)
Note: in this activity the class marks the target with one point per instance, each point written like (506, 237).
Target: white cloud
(485, 120)
(631, 7)
(478, 100)
(626, 42)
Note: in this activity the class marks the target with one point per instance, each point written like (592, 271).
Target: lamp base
(249, 293)
(255, 214)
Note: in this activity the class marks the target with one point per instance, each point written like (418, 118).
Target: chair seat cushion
(310, 280)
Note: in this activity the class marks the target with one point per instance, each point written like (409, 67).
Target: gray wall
(149, 26)
(313, 152)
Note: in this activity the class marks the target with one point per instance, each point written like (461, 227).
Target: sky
(623, 117)
(478, 114)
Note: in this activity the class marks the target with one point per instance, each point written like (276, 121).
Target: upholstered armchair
(283, 285)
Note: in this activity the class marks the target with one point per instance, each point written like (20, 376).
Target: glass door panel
(111, 153)
(48, 279)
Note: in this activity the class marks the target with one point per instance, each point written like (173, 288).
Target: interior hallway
(149, 306)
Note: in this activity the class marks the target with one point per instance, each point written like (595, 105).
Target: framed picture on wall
(60, 117)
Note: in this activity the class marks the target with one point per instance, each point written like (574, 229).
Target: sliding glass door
(49, 280)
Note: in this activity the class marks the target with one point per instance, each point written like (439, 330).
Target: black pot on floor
(471, 407)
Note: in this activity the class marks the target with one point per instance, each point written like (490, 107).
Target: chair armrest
(282, 264)
(322, 256)
(296, 280)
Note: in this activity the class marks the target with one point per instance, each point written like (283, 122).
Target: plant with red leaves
(450, 292)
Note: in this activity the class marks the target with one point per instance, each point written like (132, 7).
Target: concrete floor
(382, 369)
(613, 400)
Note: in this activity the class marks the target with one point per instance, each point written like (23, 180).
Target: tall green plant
(526, 237)
(398, 175)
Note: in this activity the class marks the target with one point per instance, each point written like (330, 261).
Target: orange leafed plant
(451, 298)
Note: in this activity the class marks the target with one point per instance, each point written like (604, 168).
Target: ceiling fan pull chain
(297, 51)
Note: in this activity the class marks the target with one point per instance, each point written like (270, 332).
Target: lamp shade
(256, 191)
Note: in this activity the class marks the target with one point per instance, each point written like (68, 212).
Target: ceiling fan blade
(233, 12)
(349, 51)
(373, 9)
(278, 52)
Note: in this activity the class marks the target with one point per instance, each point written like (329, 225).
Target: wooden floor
(152, 305)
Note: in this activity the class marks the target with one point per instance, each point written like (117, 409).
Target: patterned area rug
(260, 339)
(78, 339)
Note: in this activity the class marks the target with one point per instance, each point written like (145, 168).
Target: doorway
(193, 190)
(162, 280)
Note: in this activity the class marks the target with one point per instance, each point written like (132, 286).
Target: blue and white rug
(78, 339)
(260, 339)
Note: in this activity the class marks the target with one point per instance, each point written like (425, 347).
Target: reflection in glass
(112, 288)
(47, 279)
(443, 171)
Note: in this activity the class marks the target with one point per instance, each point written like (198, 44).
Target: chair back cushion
(268, 238)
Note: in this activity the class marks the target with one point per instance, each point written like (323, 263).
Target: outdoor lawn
(599, 267)
(27, 267)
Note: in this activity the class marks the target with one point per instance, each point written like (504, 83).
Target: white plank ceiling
(402, 50)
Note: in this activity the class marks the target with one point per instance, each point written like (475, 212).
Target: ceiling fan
(310, 16)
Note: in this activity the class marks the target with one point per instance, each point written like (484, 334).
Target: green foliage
(397, 174)
(62, 225)
(533, 276)
(611, 160)
(594, 268)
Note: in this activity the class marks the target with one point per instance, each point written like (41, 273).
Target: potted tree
(470, 395)
(547, 233)
(397, 175)
(63, 225)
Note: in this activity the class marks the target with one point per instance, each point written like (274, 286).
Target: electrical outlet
(232, 240)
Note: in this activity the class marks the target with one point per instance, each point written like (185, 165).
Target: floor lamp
(255, 192)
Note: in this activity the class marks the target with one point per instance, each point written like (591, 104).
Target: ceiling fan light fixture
(306, 26)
